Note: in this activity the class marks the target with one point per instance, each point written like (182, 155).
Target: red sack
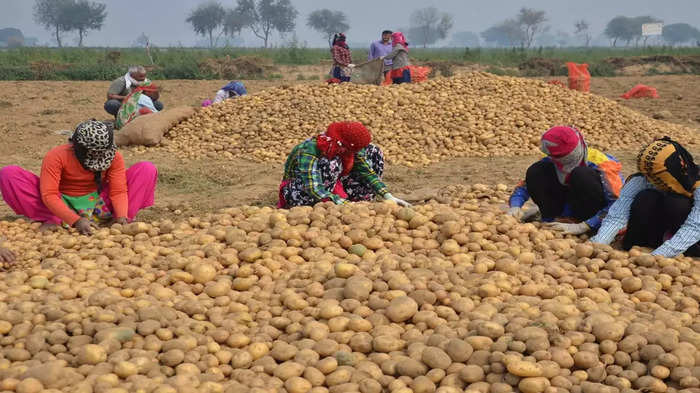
(641, 91)
(579, 77)
(419, 74)
(556, 83)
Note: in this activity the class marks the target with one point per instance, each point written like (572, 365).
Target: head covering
(669, 167)
(93, 144)
(398, 38)
(339, 40)
(567, 150)
(344, 139)
(235, 87)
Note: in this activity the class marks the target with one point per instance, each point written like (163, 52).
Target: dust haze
(164, 20)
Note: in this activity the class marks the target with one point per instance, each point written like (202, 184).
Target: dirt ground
(33, 113)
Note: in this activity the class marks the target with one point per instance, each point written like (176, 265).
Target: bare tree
(428, 25)
(207, 18)
(582, 29)
(328, 23)
(54, 15)
(532, 22)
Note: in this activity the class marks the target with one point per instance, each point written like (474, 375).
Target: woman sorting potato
(660, 205)
(82, 183)
(573, 183)
(339, 165)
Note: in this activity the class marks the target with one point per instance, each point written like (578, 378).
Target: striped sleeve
(687, 235)
(367, 174)
(619, 212)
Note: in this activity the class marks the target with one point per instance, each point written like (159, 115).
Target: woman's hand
(121, 221)
(400, 202)
(84, 226)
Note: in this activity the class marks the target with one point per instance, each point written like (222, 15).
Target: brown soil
(33, 113)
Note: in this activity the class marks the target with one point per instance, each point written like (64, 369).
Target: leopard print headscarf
(94, 146)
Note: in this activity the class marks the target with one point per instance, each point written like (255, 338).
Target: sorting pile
(357, 298)
(475, 115)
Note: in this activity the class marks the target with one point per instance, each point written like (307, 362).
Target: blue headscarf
(235, 87)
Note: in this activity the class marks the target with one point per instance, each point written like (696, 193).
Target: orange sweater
(62, 173)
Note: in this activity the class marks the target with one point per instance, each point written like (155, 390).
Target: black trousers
(584, 194)
(652, 215)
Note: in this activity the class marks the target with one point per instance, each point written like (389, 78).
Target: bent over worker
(573, 183)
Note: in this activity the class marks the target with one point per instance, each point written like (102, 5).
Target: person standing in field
(382, 48)
(342, 60)
(400, 70)
(82, 183)
(121, 87)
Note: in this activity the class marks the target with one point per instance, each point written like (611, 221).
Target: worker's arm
(312, 180)
(116, 175)
(519, 196)
(372, 52)
(49, 181)
(686, 236)
(619, 212)
(368, 175)
(221, 95)
(394, 52)
(116, 90)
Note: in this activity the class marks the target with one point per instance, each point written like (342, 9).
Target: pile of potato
(445, 297)
(476, 115)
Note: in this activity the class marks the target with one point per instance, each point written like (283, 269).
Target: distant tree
(206, 19)
(86, 15)
(267, 16)
(11, 36)
(141, 41)
(428, 25)
(582, 29)
(465, 39)
(234, 23)
(619, 28)
(532, 23)
(506, 33)
(54, 15)
(680, 33)
(328, 23)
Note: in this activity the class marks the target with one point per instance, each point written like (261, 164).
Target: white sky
(164, 20)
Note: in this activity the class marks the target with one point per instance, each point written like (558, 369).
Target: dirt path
(34, 111)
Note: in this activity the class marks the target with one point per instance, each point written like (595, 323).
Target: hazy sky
(164, 20)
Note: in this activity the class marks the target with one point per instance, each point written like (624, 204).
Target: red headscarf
(150, 88)
(566, 148)
(398, 38)
(344, 139)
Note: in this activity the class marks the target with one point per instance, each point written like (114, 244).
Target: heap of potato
(475, 115)
(445, 297)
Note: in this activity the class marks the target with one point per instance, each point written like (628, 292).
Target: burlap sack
(371, 72)
(148, 130)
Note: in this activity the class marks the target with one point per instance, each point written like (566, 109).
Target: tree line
(427, 26)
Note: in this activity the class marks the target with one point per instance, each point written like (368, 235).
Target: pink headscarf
(567, 150)
(398, 38)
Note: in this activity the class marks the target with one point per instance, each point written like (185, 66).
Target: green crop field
(188, 63)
